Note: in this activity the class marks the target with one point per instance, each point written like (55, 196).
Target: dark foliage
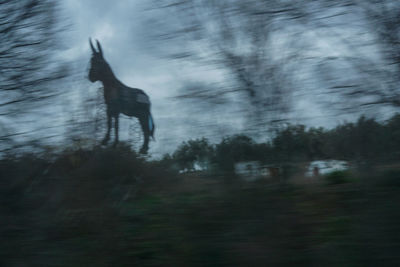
(193, 151)
(107, 207)
(365, 141)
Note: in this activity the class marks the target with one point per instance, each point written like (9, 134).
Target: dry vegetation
(109, 207)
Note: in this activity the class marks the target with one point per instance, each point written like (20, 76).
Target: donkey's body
(120, 98)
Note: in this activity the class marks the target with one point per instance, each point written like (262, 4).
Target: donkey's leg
(116, 126)
(107, 136)
(143, 119)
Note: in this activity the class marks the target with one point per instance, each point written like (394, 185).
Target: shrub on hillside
(390, 178)
(339, 177)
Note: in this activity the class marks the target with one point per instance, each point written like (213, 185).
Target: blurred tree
(367, 74)
(383, 18)
(317, 143)
(276, 54)
(192, 152)
(28, 30)
(252, 42)
(235, 149)
(292, 143)
(366, 141)
(392, 137)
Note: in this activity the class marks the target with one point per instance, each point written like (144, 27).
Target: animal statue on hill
(120, 98)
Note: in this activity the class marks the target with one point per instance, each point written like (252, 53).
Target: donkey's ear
(92, 47)
(99, 48)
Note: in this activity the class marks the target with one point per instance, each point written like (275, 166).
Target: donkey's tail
(151, 126)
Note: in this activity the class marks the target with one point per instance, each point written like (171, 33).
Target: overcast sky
(123, 29)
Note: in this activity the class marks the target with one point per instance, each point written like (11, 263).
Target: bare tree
(277, 52)
(252, 42)
(383, 20)
(28, 30)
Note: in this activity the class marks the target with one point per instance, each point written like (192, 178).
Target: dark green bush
(339, 177)
(390, 178)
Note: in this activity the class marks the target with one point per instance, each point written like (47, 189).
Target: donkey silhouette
(120, 98)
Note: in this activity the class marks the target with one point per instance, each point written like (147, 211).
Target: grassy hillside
(109, 207)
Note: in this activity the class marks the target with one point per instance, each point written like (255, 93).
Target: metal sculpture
(120, 98)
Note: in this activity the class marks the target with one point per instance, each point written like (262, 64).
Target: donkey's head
(98, 65)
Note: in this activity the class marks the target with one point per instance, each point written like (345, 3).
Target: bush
(390, 178)
(339, 177)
